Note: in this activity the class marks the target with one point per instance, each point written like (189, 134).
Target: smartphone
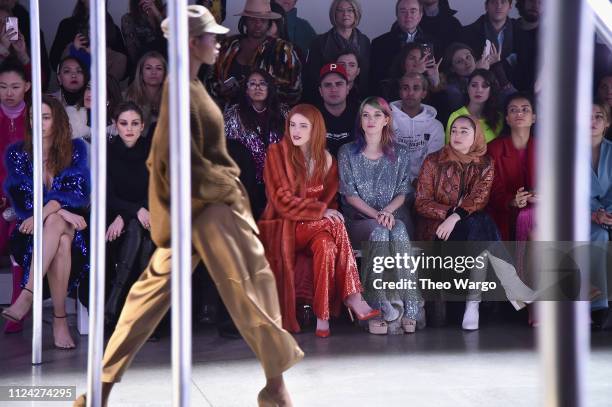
(84, 31)
(231, 82)
(487, 49)
(12, 23)
(428, 50)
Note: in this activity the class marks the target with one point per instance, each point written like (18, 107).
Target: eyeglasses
(517, 110)
(345, 10)
(260, 85)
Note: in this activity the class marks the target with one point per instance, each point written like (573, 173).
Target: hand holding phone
(12, 28)
(487, 49)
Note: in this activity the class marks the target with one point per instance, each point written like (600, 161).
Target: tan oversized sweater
(214, 175)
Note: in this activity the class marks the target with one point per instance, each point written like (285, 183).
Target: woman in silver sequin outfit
(374, 183)
(251, 126)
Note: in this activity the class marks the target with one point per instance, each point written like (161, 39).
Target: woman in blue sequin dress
(65, 199)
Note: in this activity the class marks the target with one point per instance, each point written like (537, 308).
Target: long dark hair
(489, 112)
(276, 121)
(60, 154)
(449, 53)
(398, 68)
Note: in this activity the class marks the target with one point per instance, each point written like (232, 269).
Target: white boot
(471, 316)
(517, 292)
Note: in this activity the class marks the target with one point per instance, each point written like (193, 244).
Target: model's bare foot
(274, 394)
(20, 308)
(61, 333)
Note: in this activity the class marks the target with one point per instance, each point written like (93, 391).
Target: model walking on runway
(224, 238)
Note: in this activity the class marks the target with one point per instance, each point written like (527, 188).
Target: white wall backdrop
(378, 14)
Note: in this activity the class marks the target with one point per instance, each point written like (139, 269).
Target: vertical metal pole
(97, 26)
(38, 182)
(566, 47)
(180, 182)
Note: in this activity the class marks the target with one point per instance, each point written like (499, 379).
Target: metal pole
(566, 46)
(180, 182)
(38, 182)
(97, 24)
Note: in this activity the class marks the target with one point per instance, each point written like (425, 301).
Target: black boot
(128, 252)
(119, 290)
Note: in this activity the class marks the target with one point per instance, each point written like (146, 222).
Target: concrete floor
(496, 366)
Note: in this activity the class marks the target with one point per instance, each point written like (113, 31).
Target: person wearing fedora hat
(224, 237)
(251, 49)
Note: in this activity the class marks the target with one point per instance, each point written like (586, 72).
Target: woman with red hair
(301, 180)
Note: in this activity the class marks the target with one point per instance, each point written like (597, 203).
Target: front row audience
(127, 204)
(400, 174)
(301, 180)
(66, 198)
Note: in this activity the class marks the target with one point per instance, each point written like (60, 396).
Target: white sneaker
(471, 316)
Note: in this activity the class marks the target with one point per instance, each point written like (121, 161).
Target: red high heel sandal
(372, 314)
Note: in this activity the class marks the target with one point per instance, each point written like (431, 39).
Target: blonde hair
(356, 6)
(136, 91)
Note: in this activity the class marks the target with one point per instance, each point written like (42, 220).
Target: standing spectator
(251, 49)
(141, 30)
(71, 77)
(73, 37)
(496, 27)
(146, 89)
(527, 44)
(300, 31)
(374, 183)
(338, 112)
(344, 16)
(23, 15)
(405, 30)
(66, 197)
(415, 124)
(252, 125)
(128, 209)
(482, 104)
(440, 22)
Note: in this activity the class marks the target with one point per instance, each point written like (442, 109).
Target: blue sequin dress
(71, 188)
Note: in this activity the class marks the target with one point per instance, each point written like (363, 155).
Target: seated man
(339, 113)
(414, 123)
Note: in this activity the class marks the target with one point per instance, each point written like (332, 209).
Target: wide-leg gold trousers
(235, 259)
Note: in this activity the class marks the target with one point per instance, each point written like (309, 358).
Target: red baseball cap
(333, 68)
